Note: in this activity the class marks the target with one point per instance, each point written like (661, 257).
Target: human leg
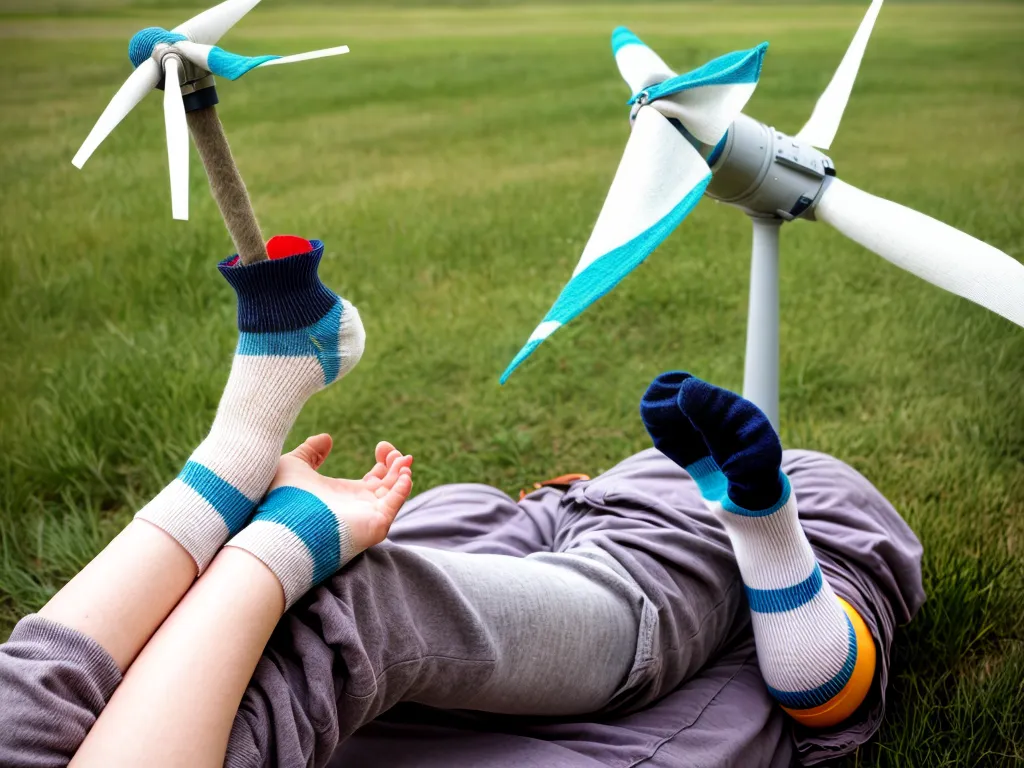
(447, 629)
(721, 713)
(122, 596)
(178, 700)
(816, 651)
(62, 665)
(409, 624)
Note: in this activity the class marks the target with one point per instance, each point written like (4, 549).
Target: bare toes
(383, 449)
(394, 472)
(389, 504)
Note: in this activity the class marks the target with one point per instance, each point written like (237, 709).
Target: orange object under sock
(845, 703)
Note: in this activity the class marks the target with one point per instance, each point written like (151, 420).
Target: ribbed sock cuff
(299, 538)
(709, 478)
(729, 505)
(279, 294)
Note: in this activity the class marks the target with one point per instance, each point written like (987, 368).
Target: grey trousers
(616, 606)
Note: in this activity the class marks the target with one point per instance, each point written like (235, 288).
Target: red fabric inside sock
(283, 246)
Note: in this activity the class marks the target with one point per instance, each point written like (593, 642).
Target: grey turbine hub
(769, 174)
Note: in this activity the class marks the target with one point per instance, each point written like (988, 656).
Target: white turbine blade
(933, 251)
(210, 25)
(821, 128)
(197, 53)
(660, 179)
(139, 83)
(322, 53)
(232, 65)
(177, 139)
(638, 64)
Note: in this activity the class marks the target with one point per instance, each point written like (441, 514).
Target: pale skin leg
(122, 596)
(178, 701)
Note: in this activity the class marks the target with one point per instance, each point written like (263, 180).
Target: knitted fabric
(299, 537)
(806, 644)
(296, 337)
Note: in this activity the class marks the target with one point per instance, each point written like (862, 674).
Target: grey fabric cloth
(340, 676)
(53, 683)
(387, 630)
(561, 629)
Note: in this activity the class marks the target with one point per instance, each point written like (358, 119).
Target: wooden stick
(226, 184)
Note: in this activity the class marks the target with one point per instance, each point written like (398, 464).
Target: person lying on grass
(659, 613)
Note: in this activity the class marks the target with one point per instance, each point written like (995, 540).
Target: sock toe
(670, 430)
(741, 440)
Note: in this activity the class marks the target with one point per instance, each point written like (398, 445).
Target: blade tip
(82, 155)
(622, 37)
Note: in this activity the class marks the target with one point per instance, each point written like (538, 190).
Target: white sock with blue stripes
(310, 525)
(805, 641)
(807, 645)
(300, 537)
(296, 337)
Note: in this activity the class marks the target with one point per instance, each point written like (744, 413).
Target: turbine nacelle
(767, 173)
(191, 76)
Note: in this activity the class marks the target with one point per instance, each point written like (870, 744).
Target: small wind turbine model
(182, 62)
(689, 138)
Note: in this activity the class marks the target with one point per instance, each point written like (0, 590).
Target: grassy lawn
(454, 164)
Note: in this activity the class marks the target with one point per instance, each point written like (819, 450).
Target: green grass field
(454, 164)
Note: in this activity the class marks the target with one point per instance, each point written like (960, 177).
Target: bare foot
(369, 505)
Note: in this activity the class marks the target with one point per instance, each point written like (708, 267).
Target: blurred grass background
(454, 163)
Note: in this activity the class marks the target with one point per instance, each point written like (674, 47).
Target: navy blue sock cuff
(279, 294)
(766, 505)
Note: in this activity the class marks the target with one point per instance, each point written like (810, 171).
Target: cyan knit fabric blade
(736, 68)
(232, 65)
(705, 101)
(210, 57)
(659, 181)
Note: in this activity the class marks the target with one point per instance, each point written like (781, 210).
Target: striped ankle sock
(296, 337)
(299, 537)
(815, 652)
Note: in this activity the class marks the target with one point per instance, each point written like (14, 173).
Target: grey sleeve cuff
(54, 682)
(38, 639)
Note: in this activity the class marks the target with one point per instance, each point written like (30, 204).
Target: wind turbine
(182, 62)
(679, 149)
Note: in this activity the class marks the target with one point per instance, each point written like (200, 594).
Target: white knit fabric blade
(660, 179)
(933, 251)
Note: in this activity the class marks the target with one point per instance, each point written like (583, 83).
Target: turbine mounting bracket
(198, 88)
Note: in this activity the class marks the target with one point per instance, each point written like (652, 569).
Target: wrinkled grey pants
(641, 621)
